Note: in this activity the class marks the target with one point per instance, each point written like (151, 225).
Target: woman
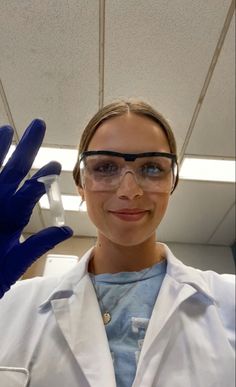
(130, 313)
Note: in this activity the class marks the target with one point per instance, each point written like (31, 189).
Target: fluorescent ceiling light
(70, 203)
(66, 157)
(194, 168)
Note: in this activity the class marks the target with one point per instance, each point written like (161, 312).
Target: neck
(109, 257)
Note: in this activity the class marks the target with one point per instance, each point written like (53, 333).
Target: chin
(129, 239)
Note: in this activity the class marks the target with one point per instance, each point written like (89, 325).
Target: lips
(129, 214)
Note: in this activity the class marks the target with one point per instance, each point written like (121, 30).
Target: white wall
(204, 257)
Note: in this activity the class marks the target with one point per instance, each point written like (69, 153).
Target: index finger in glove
(22, 159)
(6, 134)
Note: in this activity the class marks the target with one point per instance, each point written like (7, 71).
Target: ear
(81, 192)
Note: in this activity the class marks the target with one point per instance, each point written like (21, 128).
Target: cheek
(94, 204)
(160, 203)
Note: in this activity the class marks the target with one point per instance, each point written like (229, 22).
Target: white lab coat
(52, 334)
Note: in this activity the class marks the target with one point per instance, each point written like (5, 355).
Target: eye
(151, 169)
(105, 168)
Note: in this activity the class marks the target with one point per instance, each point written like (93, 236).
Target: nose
(129, 188)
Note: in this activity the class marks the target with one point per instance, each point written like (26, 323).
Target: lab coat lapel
(180, 283)
(80, 321)
(171, 295)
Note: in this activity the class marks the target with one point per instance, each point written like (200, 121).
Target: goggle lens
(103, 172)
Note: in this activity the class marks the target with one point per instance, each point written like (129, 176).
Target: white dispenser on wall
(59, 264)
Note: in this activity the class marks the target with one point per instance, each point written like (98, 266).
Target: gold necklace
(107, 313)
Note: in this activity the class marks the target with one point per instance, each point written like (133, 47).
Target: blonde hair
(119, 108)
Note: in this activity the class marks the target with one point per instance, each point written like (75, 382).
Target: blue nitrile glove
(16, 205)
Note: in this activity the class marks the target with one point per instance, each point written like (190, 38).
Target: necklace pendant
(106, 317)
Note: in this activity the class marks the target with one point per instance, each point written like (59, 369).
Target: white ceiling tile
(78, 221)
(161, 51)
(156, 50)
(3, 116)
(47, 218)
(81, 224)
(194, 211)
(50, 64)
(214, 132)
(225, 233)
(36, 221)
(67, 184)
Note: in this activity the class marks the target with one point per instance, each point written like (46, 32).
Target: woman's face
(112, 212)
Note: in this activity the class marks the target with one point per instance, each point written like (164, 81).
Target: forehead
(130, 133)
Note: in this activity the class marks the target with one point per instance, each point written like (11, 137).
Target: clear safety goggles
(103, 170)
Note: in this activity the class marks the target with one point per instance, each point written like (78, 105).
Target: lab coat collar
(187, 275)
(68, 282)
(175, 269)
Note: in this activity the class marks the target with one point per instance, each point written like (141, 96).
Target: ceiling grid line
(208, 78)
(7, 109)
(101, 51)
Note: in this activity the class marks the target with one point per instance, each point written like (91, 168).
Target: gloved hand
(16, 205)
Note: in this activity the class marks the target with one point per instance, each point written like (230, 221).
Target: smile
(129, 214)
